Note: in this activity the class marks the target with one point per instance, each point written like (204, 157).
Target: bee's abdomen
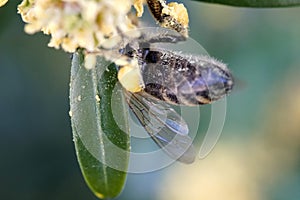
(184, 80)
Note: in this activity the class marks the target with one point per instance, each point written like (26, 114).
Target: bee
(153, 78)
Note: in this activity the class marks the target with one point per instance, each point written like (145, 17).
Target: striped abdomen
(184, 79)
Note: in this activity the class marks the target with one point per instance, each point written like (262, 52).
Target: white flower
(76, 24)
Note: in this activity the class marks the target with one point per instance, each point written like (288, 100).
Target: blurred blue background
(257, 156)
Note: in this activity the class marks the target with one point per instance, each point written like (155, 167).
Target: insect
(154, 78)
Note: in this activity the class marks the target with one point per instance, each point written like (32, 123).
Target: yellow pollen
(130, 78)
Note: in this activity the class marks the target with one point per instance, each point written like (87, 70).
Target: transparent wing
(164, 125)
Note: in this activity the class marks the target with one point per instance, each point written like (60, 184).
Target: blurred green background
(257, 156)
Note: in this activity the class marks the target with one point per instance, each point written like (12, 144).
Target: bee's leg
(147, 40)
(166, 37)
(172, 15)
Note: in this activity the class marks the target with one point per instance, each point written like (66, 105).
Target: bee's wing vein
(176, 145)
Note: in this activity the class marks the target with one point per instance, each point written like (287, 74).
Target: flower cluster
(76, 24)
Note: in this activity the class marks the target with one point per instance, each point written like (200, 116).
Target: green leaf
(256, 3)
(100, 126)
